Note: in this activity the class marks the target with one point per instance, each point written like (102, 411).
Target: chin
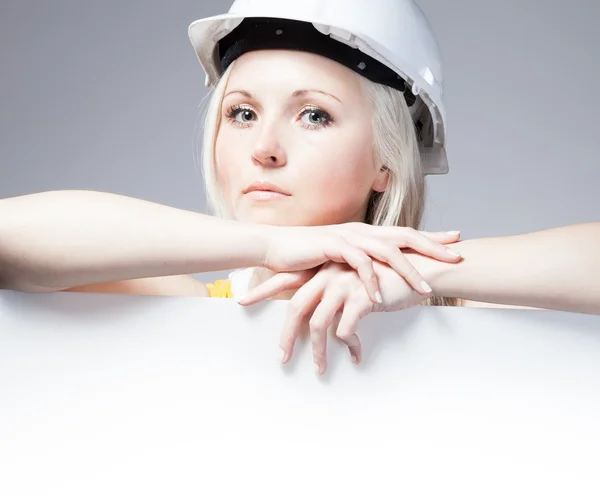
(263, 217)
(271, 217)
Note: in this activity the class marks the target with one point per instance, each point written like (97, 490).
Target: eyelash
(234, 110)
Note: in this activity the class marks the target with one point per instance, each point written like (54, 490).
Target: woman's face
(295, 144)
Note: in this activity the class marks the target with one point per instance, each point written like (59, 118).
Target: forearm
(68, 238)
(553, 269)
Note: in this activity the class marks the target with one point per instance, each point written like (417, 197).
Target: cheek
(228, 160)
(342, 173)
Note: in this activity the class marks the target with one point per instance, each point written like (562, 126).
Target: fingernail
(453, 233)
(453, 253)
(378, 297)
(426, 287)
(317, 369)
(354, 359)
(282, 355)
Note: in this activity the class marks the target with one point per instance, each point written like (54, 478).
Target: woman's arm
(58, 240)
(176, 285)
(556, 269)
(74, 239)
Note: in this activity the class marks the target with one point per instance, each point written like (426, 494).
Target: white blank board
(106, 395)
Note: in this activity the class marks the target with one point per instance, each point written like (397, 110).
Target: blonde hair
(395, 147)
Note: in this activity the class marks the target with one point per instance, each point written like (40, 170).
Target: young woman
(315, 155)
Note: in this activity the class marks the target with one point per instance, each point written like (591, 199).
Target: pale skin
(100, 242)
(272, 129)
(266, 126)
(504, 272)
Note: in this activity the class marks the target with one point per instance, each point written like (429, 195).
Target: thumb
(276, 284)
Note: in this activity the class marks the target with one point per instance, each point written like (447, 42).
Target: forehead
(287, 69)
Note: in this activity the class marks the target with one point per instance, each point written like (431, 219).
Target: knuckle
(316, 324)
(365, 310)
(393, 248)
(343, 333)
(295, 310)
(389, 253)
(368, 271)
(359, 306)
(357, 300)
(410, 233)
(328, 267)
(363, 259)
(352, 283)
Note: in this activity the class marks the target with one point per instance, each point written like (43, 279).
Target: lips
(263, 186)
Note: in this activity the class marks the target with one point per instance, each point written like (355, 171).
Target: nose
(268, 150)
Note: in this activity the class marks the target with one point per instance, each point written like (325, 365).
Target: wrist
(267, 240)
(438, 274)
(260, 239)
(238, 244)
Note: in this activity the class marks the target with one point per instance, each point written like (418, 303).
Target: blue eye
(241, 115)
(314, 117)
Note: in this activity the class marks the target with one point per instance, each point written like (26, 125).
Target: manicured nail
(453, 233)
(378, 297)
(426, 287)
(453, 253)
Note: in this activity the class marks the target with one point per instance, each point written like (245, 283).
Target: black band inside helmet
(271, 33)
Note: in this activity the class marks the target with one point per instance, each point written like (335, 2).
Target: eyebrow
(300, 93)
(297, 93)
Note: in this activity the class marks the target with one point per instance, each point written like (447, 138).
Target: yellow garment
(220, 288)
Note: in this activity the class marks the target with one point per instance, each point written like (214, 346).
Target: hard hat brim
(205, 34)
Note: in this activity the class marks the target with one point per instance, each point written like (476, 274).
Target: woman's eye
(241, 115)
(244, 115)
(315, 117)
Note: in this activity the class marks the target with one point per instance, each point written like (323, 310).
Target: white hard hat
(387, 41)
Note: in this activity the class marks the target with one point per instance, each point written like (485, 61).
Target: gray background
(105, 95)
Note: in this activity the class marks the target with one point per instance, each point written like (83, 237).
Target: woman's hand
(357, 245)
(325, 292)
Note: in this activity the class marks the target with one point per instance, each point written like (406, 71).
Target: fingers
(312, 301)
(305, 300)
(442, 237)
(326, 305)
(319, 324)
(348, 325)
(431, 245)
(278, 283)
(427, 243)
(353, 310)
(388, 253)
(392, 232)
(315, 306)
(341, 251)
